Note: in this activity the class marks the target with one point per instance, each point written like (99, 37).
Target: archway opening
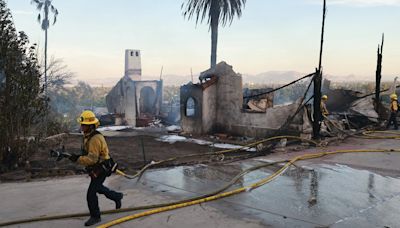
(190, 107)
(147, 100)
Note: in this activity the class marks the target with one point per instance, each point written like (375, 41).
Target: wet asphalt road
(338, 191)
(312, 196)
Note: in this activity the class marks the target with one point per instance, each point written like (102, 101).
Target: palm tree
(217, 12)
(45, 6)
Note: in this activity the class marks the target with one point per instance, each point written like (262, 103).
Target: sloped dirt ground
(130, 152)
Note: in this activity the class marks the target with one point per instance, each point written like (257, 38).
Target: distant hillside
(172, 79)
(272, 77)
(276, 77)
(269, 77)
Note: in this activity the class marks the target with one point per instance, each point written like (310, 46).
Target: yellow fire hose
(366, 135)
(138, 174)
(233, 181)
(238, 190)
(371, 134)
(204, 198)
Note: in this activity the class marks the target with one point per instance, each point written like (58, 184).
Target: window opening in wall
(131, 53)
(137, 53)
(190, 107)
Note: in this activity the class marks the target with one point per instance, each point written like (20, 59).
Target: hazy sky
(91, 36)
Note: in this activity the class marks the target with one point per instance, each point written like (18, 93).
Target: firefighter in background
(394, 107)
(95, 158)
(325, 125)
(324, 110)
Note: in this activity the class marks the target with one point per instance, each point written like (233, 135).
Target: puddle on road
(322, 195)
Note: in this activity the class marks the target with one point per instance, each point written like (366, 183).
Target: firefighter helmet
(88, 118)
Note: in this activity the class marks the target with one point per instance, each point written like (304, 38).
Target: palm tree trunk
(45, 79)
(45, 62)
(214, 32)
(214, 41)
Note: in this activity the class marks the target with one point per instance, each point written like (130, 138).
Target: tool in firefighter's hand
(59, 154)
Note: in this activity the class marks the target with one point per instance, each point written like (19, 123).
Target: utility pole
(191, 74)
(317, 83)
(378, 76)
(161, 72)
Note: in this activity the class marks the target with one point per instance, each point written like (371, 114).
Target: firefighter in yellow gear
(324, 110)
(394, 107)
(95, 156)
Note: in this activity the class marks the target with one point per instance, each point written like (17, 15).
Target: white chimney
(133, 64)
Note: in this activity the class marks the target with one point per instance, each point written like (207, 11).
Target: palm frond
(35, 1)
(55, 11)
(222, 10)
(39, 6)
(55, 19)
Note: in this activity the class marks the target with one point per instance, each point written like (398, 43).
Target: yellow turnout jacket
(324, 110)
(95, 149)
(393, 106)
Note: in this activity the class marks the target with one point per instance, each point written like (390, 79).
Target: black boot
(92, 221)
(118, 202)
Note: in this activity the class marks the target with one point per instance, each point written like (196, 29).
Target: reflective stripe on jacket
(96, 148)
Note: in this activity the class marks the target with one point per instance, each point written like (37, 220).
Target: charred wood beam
(317, 115)
(378, 75)
(317, 83)
(271, 91)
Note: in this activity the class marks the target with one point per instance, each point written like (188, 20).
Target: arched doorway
(147, 100)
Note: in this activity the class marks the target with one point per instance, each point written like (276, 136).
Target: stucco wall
(113, 99)
(221, 108)
(192, 124)
(129, 103)
(124, 98)
(121, 99)
(229, 98)
(209, 108)
(273, 118)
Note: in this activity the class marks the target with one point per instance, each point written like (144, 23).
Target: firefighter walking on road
(96, 159)
(394, 107)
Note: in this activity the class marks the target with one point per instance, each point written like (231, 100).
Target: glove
(74, 157)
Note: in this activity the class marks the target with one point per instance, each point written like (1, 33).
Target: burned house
(217, 104)
(132, 100)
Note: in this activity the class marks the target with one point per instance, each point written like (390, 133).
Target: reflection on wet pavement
(320, 196)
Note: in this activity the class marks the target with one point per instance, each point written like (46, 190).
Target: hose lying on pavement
(238, 190)
(204, 198)
(370, 134)
(138, 175)
(232, 182)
